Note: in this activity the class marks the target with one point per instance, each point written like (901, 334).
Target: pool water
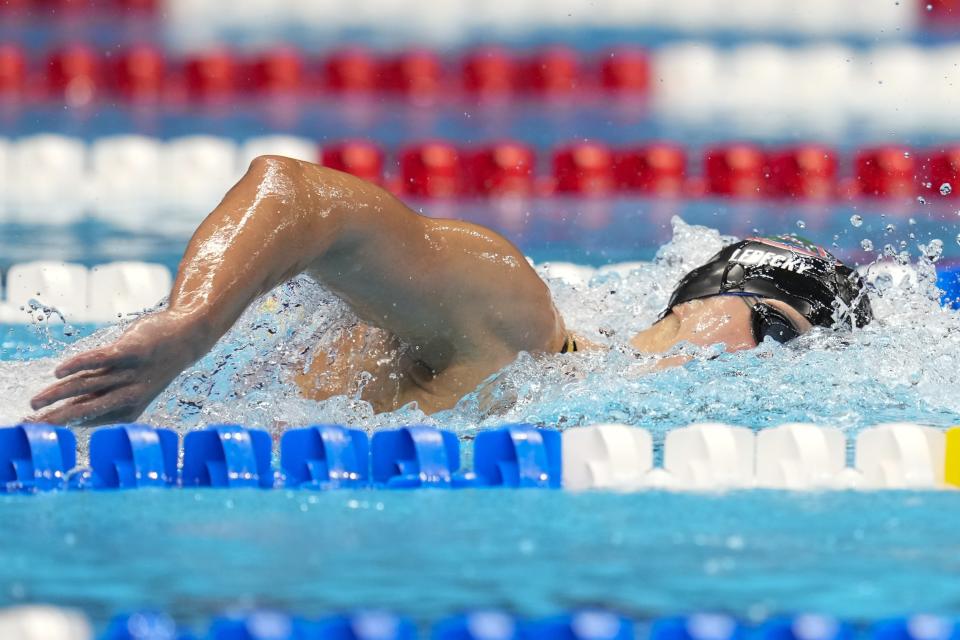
(429, 553)
(899, 368)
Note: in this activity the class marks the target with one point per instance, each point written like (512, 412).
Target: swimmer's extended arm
(453, 289)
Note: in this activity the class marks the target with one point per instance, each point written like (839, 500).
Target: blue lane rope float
(700, 626)
(415, 456)
(262, 625)
(227, 456)
(806, 627)
(477, 625)
(325, 457)
(36, 457)
(365, 625)
(133, 456)
(518, 455)
(581, 625)
(144, 625)
(916, 627)
(585, 624)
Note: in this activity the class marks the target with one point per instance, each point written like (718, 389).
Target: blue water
(391, 122)
(585, 231)
(430, 553)
(427, 554)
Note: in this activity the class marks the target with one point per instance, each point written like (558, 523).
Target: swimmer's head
(789, 269)
(787, 283)
(777, 287)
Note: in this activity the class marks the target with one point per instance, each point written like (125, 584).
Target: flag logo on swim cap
(796, 244)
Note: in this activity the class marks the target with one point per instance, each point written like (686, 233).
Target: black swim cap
(785, 268)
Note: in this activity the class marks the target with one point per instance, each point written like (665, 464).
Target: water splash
(901, 367)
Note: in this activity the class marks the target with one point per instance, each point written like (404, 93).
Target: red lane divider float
(811, 172)
(69, 10)
(581, 169)
(80, 74)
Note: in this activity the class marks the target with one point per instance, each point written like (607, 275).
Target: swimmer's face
(726, 320)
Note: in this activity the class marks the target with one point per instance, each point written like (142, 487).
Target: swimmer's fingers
(104, 358)
(80, 384)
(89, 410)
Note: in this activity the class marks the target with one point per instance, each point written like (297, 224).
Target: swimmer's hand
(115, 383)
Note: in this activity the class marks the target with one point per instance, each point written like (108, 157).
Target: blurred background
(578, 128)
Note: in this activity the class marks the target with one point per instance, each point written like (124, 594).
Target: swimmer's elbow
(264, 167)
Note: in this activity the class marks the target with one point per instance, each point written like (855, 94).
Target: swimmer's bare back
(462, 297)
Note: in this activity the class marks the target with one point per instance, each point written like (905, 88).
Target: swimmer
(452, 302)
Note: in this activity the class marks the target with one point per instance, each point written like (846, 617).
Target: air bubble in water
(856, 220)
(867, 244)
(946, 189)
(801, 224)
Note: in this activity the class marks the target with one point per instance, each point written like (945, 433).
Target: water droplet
(929, 7)
(946, 189)
(866, 244)
(856, 220)
(921, 200)
(912, 221)
(801, 224)
(883, 281)
(889, 228)
(906, 154)
(933, 250)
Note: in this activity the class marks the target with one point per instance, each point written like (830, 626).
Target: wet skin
(444, 304)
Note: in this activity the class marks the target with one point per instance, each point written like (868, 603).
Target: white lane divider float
(606, 456)
(198, 170)
(41, 622)
(125, 287)
(48, 172)
(125, 178)
(901, 456)
(289, 146)
(710, 456)
(56, 284)
(97, 295)
(801, 456)
(795, 456)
